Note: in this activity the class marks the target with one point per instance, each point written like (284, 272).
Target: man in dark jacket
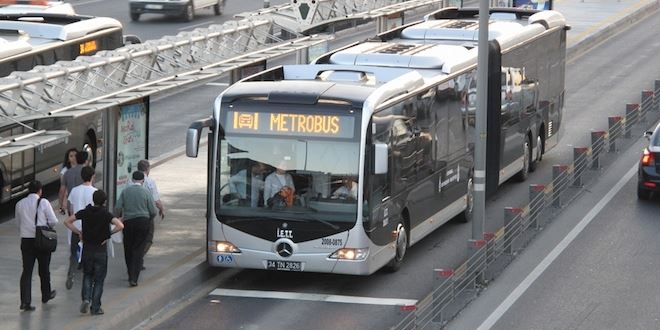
(96, 221)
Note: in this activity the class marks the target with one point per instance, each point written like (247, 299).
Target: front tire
(189, 13)
(643, 194)
(135, 17)
(401, 245)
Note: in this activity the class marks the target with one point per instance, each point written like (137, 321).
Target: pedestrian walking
(149, 183)
(79, 197)
(94, 233)
(135, 206)
(69, 161)
(27, 209)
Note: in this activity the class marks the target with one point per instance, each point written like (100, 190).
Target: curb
(153, 297)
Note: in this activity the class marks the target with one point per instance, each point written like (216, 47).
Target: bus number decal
(451, 176)
(332, 241)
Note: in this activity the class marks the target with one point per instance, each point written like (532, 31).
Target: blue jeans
(95, 267)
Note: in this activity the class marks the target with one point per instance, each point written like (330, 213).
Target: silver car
(181, 8)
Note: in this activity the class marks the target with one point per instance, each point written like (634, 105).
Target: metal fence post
(647, 104)
(579, 164)
(476, 260)
(597, 142)
(536, 202)
(559, 183)
(512, 226)
(443, 294)
(632, 117)
(614, 130)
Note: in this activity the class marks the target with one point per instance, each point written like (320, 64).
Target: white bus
(393, 116)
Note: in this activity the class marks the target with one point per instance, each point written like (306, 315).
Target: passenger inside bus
(347, 190)
(240, 185)
(279, 184)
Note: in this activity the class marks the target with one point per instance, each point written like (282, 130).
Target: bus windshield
(300, 173)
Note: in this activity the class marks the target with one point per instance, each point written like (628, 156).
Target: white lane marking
(313, 297)
(86, 2)
(217, 84)
(550, 258)
(189, 27)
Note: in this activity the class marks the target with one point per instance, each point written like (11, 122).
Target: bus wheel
(401, 247)
(466, 216)
(217, 8)
(539, 154)
(524, 172)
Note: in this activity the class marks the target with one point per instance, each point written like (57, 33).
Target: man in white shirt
(26, 210)
(79, 197)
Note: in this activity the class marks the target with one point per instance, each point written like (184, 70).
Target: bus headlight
(223, 246)
(350, 254)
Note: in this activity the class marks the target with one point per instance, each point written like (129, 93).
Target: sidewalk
(176, 263)
(174, 266)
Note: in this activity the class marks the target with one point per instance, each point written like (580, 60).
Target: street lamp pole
(480, 124)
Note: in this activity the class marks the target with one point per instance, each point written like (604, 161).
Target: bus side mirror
(192, 142)
(193, 134)
(380, 158)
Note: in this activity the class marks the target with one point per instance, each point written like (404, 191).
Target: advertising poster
(533, 4)
(131, 141)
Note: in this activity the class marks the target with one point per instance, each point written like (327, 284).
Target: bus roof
(444, 44)
(395, 54)
(325, 83)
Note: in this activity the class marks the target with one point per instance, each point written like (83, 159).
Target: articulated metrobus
(30, 147)
(373, 142)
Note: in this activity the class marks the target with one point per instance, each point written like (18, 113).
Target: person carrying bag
(45, 237)
(33, 228)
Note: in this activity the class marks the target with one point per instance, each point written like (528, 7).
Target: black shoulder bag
(45, 238)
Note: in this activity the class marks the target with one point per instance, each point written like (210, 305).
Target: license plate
(291, 266)
(154, 6)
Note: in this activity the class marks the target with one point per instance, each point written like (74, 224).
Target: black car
(648, 176)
